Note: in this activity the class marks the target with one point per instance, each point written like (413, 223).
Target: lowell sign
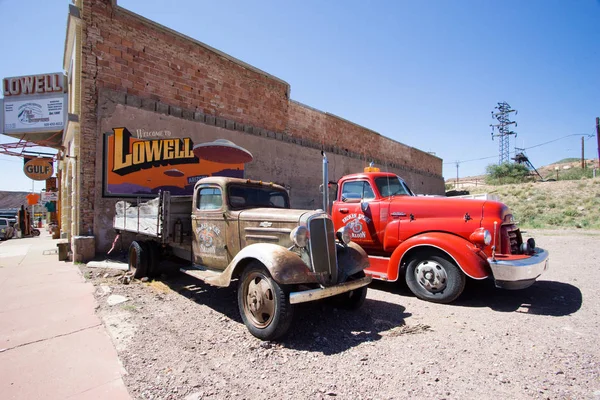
(34, 85)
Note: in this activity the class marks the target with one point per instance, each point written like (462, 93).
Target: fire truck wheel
(434, 277)
(353, 299)
(264, 305)
(138, 260)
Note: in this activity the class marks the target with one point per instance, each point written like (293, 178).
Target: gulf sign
(39, 169)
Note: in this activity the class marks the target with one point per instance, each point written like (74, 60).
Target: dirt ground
(181, 339)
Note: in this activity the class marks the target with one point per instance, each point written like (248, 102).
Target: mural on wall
(157, 160)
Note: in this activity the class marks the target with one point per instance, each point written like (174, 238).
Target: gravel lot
(181, 339)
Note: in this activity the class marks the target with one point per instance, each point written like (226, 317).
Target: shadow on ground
(317, 327)
(542, 298)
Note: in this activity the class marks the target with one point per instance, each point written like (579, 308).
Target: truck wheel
(153, 259)
(264, 305)
(435, 278)
(138, 260)
(353, 299)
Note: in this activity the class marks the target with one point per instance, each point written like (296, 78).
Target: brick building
(128, 72)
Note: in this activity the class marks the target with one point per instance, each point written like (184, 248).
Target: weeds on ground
(159, 287)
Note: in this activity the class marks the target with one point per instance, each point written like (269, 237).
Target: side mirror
(364, 206)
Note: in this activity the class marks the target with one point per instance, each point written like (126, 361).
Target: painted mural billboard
(143, 164)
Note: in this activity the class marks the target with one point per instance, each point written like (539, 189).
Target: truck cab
(434, 243)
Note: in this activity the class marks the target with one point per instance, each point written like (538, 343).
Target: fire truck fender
(468, 257)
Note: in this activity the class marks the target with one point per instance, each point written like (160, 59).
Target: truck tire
(264, 305)
(353, 299)
(138, 260)
(434, 277)
(153, 259)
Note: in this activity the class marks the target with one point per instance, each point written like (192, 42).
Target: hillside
(552, 204)
(561, 204)
(12, 199)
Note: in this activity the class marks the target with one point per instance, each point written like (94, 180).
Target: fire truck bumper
(519, 273)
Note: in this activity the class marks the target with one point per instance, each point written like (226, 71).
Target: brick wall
(138, 56)
(161, 70)
(328, 129)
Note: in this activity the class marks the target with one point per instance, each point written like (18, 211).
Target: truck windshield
(392, 186)
(243, 196)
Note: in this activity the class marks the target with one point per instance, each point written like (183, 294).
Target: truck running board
(209, 276)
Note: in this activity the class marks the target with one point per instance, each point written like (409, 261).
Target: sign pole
(33, 205)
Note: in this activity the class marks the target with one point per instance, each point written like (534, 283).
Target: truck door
(210, 228)
(359, 210)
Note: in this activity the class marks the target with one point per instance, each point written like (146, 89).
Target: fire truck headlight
(481, 237)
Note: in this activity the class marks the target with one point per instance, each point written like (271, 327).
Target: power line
(526, 148)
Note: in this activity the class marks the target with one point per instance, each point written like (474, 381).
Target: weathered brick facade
(140, 64)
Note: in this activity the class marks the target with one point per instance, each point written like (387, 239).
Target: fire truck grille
(513, 239)
(323, 250)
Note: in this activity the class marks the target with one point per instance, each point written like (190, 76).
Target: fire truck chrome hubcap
(260, 304)
(431, 275)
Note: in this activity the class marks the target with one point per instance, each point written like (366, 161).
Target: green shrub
(506, 173)
(569, 212)
(572, 174)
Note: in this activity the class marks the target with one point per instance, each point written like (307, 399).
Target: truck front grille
(322, 249)
(511, 239)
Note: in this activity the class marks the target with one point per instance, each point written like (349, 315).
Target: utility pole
(457, 164)
(582, 153)
(598, 136)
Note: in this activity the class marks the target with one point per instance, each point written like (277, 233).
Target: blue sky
(425, 73)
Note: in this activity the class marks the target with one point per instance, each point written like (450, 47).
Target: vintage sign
(39, 169)
(144, 165)
(49, 196)
(34, 104)
(39, 115)
(34, 84)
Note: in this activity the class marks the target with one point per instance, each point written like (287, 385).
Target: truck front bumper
(519, 273)
(321, 293)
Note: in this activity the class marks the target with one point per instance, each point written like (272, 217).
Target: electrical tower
(502, 115)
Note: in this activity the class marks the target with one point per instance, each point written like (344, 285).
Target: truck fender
(469, 258)
(351, 259)
(285, 266)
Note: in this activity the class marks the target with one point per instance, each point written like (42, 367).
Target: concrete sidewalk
(52, 344)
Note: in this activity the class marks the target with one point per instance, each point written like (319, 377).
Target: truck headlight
(481, 237)
(299, 236)
(343, 234)
(528, 247)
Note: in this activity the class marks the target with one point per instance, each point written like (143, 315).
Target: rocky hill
(12, 199)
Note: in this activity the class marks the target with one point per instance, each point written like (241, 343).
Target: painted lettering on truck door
(357, 208)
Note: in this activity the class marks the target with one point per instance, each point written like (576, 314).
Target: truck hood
(273, 215)
(438, 207)
(270, 225)
(418, 214)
